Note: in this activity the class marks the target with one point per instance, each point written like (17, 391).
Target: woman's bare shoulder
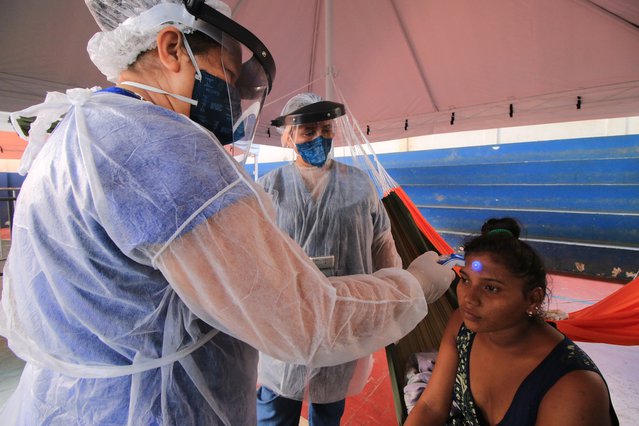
(579, 397)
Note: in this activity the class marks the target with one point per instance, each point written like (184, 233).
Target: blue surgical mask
(215, 105)
(316, 151)
(218, 107)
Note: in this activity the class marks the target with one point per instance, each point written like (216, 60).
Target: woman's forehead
(481, 262)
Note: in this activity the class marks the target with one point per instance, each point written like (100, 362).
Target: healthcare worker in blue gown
(333, 211)
(146, 269)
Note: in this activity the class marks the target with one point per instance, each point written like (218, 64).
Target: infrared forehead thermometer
(452, 260)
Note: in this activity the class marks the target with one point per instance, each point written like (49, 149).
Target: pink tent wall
(399, 64)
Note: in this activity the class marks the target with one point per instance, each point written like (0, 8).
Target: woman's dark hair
(500, 238)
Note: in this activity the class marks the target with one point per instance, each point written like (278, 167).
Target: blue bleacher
(578, 199)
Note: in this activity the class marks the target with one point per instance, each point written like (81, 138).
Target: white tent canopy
(403, 66)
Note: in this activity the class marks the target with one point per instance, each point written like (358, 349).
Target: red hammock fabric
(429, 232)
(614, 319)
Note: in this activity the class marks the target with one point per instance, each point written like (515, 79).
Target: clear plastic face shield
(312, 131)
(230, 89)
(323, 130)
(229, 104)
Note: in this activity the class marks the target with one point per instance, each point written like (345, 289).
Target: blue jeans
(275, 410)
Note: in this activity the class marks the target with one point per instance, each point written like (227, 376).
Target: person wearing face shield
(146, 268)
(332, 210)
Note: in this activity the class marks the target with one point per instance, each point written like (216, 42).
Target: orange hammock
(614, 319)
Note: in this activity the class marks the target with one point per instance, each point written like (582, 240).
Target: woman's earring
(534, 312)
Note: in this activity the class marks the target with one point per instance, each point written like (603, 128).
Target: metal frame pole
(328, 49)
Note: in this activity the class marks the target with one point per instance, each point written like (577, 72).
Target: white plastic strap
(187, 46)
(156, 90)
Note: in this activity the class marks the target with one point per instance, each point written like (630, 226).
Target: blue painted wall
(578, 199)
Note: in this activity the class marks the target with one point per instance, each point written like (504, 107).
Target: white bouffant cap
(129, 27)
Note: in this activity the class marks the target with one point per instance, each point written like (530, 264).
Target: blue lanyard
(121, 91)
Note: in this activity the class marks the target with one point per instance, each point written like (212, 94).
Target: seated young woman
(498, 358)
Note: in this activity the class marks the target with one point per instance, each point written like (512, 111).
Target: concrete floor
(374, 406)
(618, 364)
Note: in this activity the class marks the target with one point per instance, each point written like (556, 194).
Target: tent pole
(328, 48)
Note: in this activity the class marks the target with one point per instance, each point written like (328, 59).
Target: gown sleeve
(242, 275)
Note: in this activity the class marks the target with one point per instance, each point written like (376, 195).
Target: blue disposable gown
(146, 270)
(329, 211)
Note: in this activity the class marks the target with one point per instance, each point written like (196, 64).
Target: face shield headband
(312, 113)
